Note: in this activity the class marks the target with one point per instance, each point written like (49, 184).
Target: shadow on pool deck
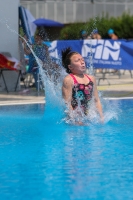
(119, 88)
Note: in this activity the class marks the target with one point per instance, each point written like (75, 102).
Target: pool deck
(29, 96)
(120, 87)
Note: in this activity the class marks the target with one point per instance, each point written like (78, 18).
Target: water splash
(53, 96)
(90, 59)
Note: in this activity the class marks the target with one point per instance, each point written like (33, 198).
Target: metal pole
(74, 11)
(64, 12)
(55, 10)
(46, 10)
(37, 10)
(126, 6)
(114, 8)
(84, 13)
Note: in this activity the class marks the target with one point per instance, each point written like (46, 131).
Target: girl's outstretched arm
(97, 100)
(67, 90)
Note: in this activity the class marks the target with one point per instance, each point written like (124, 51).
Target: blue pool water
(42, 158)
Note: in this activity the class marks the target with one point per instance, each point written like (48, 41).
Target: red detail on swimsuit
(81, 94)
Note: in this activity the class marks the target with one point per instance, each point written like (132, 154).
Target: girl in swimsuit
(78, 88)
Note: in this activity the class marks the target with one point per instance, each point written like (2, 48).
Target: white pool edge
(43, 101)
(22, 103)
(118, 98)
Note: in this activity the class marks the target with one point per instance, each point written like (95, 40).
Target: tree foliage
(122, 26)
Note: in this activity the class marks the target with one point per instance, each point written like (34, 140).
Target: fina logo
(102, 49)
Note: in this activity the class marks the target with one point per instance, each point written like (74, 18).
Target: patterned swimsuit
(81, 94)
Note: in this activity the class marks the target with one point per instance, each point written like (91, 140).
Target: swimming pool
(42, 158)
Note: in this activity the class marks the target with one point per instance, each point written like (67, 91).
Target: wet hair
(66, 58)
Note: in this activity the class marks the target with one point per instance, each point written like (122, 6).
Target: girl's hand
(102, 119)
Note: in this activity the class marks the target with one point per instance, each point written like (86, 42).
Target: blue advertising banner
(111, 54)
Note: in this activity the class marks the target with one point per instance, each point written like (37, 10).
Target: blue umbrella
(47, 23)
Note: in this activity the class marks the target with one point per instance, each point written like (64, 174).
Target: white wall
(69, 11)
(9, 16)
(8, 39)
